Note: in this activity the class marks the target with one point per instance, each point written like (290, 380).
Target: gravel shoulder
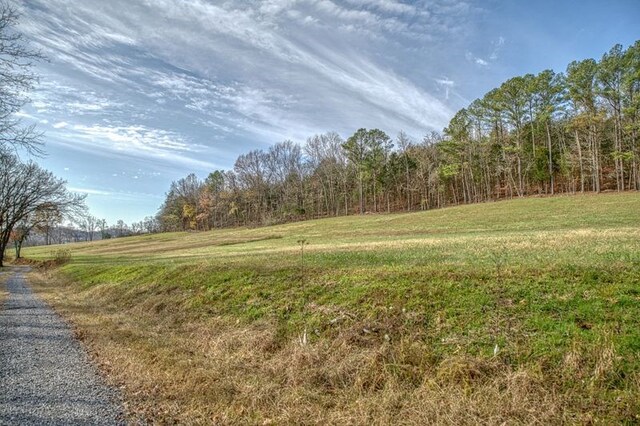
(46, 377)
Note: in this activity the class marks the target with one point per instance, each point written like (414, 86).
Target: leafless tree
(27, 189)
(16, 80)
(88, 224)
(47, 218)
(20, 234)
(102, 226)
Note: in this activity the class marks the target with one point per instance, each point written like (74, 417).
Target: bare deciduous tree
(16, 80)
(27, 189)
(88, 224)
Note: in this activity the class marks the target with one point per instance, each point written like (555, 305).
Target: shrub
(61, 256)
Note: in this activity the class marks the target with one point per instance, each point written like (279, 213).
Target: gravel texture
(46, 378)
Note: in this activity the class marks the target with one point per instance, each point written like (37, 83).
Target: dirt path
(46, 377)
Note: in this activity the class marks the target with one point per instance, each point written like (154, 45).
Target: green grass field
(521, 311)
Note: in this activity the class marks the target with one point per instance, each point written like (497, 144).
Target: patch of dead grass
(4, 276)
(178, 369)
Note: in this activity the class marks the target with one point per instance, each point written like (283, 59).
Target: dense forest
(549, 133)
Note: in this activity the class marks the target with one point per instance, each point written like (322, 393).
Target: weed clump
(60, 257)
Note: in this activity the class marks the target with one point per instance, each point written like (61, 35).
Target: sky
(136, 94)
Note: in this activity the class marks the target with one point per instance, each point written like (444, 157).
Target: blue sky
(138, 93)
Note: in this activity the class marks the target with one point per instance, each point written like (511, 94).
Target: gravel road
(46, 378)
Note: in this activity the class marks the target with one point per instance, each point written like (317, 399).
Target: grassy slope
(525, 310)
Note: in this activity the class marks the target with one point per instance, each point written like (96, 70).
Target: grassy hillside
(520, 311)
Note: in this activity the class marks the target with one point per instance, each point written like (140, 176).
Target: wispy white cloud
(446, 84)
(113, 195)
(24, 114)
(497, 48)
(136, 137)
(133, 141)
(476, 59)
(389, 6)
(90, 191)
(55, 99)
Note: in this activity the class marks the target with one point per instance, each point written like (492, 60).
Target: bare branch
(16, 80)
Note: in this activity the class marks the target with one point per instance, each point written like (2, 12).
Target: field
(523, 311)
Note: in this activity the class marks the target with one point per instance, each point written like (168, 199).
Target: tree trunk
(634, 165)
(580, 161)
(596, 149)
(361, 195)
(519, 158)
(18, 247)
(552, 183)
(618, 159)
(375, 195)
(408, 186)
(3, 246)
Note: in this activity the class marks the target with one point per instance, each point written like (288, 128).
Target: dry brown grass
(173, 369)
(4, 275)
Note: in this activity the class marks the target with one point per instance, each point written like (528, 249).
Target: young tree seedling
(302, 242)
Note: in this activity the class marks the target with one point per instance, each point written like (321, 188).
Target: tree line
(51, 227)
(566, 132)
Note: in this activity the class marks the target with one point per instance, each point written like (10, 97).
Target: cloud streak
(133, 141)
(244, 67)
